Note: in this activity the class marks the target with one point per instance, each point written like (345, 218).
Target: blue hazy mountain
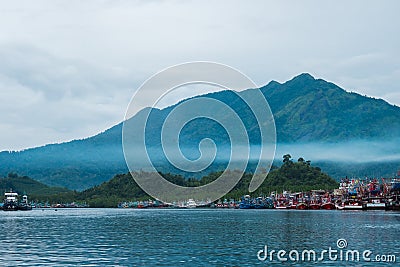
(308, 112)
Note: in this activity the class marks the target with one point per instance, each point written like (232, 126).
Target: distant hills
(306, 111)
(25, 185)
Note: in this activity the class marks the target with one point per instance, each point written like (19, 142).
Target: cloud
(361, 151)
(50, 99)
(72, 67)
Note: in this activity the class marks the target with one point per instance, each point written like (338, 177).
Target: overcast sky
(68, 69)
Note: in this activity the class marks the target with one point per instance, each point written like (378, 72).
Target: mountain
(306, 111)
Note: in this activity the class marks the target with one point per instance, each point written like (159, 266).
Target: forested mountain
(305, 109)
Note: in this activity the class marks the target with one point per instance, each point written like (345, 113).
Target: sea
(199, 237)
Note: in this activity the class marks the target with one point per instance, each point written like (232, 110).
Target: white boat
(353, 205)
(10, 201)
(375, 204)
(350, 205)
(191, 204)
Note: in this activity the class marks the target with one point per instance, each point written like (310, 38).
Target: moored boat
(328, 206)
(10, 201)
(281, 203)
(246, 203)
(24, 205)
(314, 206)
(395, 184)
(191, 204)
(351, 204)
(393, 203)
(302, 206)
(375, 203)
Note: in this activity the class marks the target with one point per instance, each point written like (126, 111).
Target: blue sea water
(194, 237)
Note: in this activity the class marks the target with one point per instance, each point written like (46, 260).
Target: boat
(301, 206)
(292, 205)
(393, 202)
(232, 204)
(351, 204)
(246, 203)
(141, 205)
(281, 203)
(269, 203)
(328, 206)
(24, 205)
(259, 203)
(375, 203)
(219, 204)
(191, 204)
(395, 184)
(314, 205)
(10, 201)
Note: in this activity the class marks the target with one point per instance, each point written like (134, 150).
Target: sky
(68, 69)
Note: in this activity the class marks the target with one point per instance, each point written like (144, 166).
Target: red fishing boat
(302, 206)
(328, 206)
(314, 206)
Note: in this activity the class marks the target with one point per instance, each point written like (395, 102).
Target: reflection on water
(127, 237)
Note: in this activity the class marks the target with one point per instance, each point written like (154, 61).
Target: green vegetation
(295, 176)
(35, 190)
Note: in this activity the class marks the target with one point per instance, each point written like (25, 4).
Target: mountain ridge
(305, 110)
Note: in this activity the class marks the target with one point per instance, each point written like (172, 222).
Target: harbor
(352, 194)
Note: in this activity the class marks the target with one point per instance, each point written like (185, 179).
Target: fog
(358, 151)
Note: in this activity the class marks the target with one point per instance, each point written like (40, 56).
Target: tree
(301, 160)
(286, 158)
(12, 175)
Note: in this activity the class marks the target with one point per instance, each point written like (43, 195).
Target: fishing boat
(292, 204)
(314, 205)
(191, 204)
(24, 205)
(350, 204)
(393, 202)
(302, 202)
(246, 203)
(259, 203)
(328, 206)
(375, 203)
(141, 205)
(395, 184)
(232, 204)
(10, 201)
(269, 203)
(302, 206)
(281, 203)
